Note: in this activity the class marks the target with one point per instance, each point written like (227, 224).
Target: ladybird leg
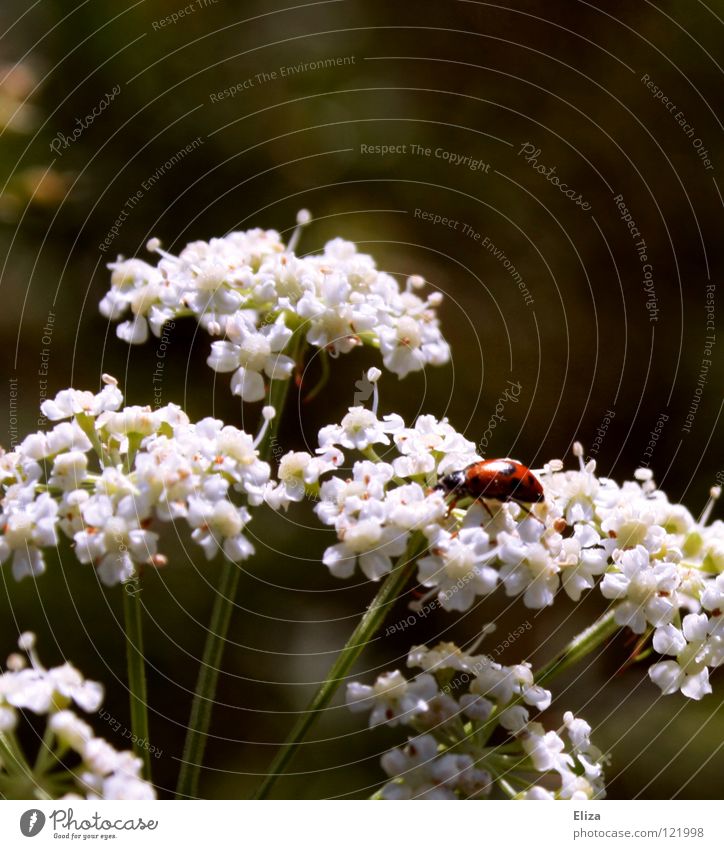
(485, 504)
(524, 507)
(452, 504)
(639, 651)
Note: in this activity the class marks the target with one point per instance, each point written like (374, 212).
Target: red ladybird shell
(504, 480)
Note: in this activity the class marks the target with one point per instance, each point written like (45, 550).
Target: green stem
(13, 759)
(323, 379)
(46, 752)
(137, 676)
(277, 398)
(506, 787)
(205, 692)
(203, 702)
(88, 425)
(368, 626)
(580, 646)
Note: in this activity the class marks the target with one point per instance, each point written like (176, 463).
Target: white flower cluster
(663, 569)
(252, 290)
(376, 510)
(151, 465)
(454, 706)
(649, 557)
(101, 771)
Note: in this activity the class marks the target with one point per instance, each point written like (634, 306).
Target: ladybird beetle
(503, 480)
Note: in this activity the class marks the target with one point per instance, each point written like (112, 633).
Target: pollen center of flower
(238, 448)
(642, 586)
(362, 536)
(692, 659)
(631, 534)
(291, 468)
(390, 687)
(225, 519)
(459, 565)
(116, 533)
(19, 530)
(253, 352)
(408, 332)
(359, 419)
(538, 563)
(210, 280)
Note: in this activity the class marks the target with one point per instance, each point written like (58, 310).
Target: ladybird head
(452, 482)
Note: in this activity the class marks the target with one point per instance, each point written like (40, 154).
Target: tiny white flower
(445, 656)
(392, 698)
(582, 560)
(633, 524)
(297, 471)
(695, 652)
(27, 529)
(459, 568)
(644, 589)
(369, 543)
(530, 568)
(545, 748)
(71, 730)
(218, 527)
(359, 429)
(73, 402)
(69, 470)
(251, 354)
(43, 691)
(113, 539)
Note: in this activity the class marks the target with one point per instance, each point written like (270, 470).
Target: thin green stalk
(277, 398)
(46, 753)
(203, 702)
(12, 755)
(506, 787)
(323, 378)
(578, 648)
(205, 692)
(137, 677)
(368, 626)
(132, 615)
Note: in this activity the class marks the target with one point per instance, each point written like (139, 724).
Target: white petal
(669, 640)
(248, 384)
(614, 585)
(696, 686)
(279, 367)
(88, 696)
(695, 627)
(375, 565)
(224, 356)
(666, 675)
(339, 561)
(134, 332)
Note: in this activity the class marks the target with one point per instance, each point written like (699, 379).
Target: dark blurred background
(564, 308)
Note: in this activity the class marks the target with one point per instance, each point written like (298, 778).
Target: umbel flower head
(452, 708)
(105, 476)
(73, 762)
(650, 558)
(253, 293)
